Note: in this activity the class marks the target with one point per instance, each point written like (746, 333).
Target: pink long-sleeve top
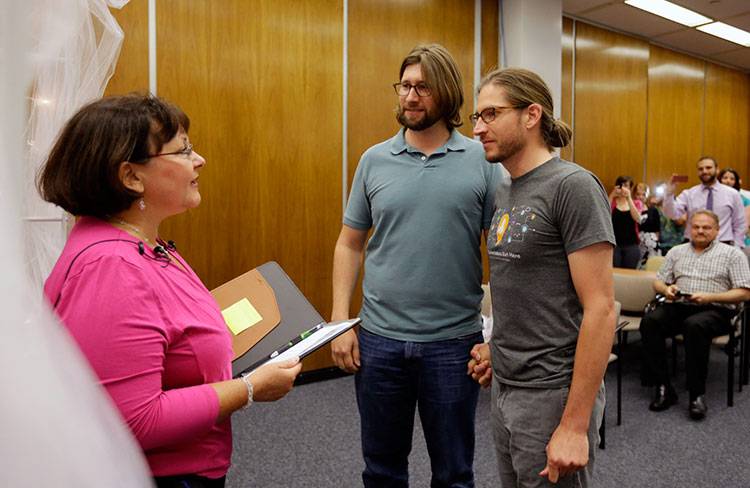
(156, 339)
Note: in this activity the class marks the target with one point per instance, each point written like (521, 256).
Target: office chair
(728, 343)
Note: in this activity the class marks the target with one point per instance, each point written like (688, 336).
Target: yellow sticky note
(240, 316)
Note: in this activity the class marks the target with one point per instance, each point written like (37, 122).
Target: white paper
(313, 341)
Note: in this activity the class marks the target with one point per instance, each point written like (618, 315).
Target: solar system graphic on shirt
(511, 226)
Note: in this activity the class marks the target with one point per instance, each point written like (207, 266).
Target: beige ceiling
(615, 14)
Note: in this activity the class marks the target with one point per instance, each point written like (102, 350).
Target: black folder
(285, 310)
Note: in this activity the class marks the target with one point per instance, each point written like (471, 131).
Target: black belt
(188, 481)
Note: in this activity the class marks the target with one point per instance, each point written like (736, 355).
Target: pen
(296, 340)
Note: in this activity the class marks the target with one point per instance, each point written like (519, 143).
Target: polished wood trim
(566, 82)
(490, 52)
(490, 36)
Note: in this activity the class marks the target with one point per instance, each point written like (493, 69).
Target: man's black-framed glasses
(489, 114)
(403, 89)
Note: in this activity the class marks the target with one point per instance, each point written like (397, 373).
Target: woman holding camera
(626, 214)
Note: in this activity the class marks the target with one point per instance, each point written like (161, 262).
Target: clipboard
(284, 312)
(307, 342)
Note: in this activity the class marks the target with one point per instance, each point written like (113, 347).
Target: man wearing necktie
(711, 195)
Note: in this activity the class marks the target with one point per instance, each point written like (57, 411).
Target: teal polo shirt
(423, 266)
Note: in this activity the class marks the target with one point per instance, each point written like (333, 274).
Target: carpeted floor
(311, 438)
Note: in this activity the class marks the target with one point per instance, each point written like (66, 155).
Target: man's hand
(671, 185)
(701, 298)
(567, 452)
(671, 292)
(480, 367)
(345, 351)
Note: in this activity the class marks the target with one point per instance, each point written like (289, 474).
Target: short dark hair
(444, 78)
(710, 158)
(707, 213)
(621, 180)
(81, 174)
(734, 173)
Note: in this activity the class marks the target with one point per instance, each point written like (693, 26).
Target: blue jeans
(397, 376)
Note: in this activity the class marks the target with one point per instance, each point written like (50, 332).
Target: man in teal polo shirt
(427, 193)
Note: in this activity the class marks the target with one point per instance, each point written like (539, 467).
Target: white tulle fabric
(74, 50)
(57, 425)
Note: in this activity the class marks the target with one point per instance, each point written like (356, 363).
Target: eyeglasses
(488, 115)
(403, 89)
(186, 152)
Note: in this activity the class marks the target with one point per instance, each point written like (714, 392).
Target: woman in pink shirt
(150, 329)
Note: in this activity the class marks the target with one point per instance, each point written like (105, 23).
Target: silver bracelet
(249, 385)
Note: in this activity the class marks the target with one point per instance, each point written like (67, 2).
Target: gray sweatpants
(523, 420)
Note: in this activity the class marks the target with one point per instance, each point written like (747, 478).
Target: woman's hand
(273, 381)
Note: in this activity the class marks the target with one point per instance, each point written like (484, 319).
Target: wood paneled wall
(266, 93)
(263, 84)
(725, 125)
(375, 56)
(645, 111)
(131, 73)
(610, 102)
(675, 112)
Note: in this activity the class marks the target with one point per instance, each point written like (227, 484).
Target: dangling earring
(142, 204)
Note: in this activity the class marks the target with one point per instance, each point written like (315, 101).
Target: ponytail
(558, 134)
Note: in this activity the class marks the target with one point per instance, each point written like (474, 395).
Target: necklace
(134, 229)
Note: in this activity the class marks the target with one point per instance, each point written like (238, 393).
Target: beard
(428, 120)
(708, 179)
(511, 145)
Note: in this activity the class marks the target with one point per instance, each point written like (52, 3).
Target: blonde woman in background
(650, 225)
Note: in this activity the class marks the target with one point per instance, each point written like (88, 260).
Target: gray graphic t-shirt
(541, 217)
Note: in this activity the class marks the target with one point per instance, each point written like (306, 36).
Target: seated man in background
(702, 279)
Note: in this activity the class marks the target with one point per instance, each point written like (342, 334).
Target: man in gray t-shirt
(550, 247)
(543, 216)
